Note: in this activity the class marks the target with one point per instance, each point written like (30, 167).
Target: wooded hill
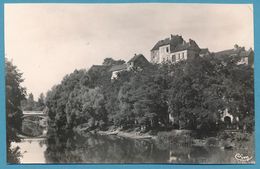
(194, 92)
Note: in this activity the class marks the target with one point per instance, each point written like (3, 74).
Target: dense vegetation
(14, 94)
(194, 92)
(29, 104)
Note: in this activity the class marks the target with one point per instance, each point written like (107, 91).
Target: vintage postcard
(129, 83)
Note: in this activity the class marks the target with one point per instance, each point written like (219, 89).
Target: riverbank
(175, 146)
(227, 139)
(224, 139)
(131, 134)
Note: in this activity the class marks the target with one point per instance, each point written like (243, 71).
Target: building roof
(136, 57)
(227, 52)
(118, 67)
(97, 67)
(176, 43)
(204, 51)
(173, 41)
(191, 45)
(161, 43)
(236, 51)
(124, 66)
(180, 47)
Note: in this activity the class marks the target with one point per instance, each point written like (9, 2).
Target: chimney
(190, 41)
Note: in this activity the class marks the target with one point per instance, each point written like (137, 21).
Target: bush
(237, 136)
(177, 137)
(212, 141)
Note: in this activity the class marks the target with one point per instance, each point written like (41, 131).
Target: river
(114, 149)
(38, 146)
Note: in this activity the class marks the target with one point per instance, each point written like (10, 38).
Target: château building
(175, 49)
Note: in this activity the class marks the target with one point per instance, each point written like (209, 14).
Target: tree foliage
(29, 104)
(111, 61)
(14, 94)
(195, 93)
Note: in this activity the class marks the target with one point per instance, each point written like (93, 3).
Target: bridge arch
(39, 118)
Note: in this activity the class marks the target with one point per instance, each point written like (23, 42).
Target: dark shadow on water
(102, 149)
(114, 149)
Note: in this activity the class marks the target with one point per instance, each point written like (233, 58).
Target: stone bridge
(42, 121)
(41, 114)
(34, 113)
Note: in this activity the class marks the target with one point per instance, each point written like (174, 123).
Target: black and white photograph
(129, 83)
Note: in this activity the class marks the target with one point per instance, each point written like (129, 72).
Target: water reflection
(66, 147)
(31, 126)
(70, 148)
(32, 150)
(102, 149)
(29, 145)
(13, 152)
(113, 149)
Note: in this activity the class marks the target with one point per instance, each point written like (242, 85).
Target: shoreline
(132, 134)
(226, 139)
(179, 137)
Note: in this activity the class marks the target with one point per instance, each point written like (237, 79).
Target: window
(179, 56)
(182, 55)
(173, 58)
(167, 49)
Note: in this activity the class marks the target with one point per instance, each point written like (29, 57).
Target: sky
(48, 41)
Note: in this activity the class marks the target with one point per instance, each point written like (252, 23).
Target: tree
(86, 106)
(111, 62)
(195, 96)
(40, 104)
(30, 102)
(239, 91)
(41, 99)
(15, 93)
(93, 106)
(194, 92)
(202, 88)
(142, 101)
(57, 99)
